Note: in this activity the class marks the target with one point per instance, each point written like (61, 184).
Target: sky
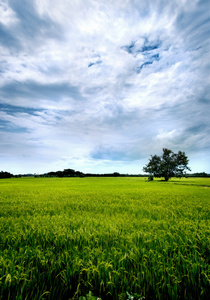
(100, 85)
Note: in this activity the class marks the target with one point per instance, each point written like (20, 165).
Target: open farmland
(63, 237)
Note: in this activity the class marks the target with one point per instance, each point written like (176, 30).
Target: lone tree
(168, 165)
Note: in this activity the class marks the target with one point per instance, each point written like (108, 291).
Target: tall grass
(61, 238)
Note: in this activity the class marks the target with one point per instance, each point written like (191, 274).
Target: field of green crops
(62, 238)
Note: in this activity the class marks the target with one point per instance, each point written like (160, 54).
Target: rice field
(113, 238)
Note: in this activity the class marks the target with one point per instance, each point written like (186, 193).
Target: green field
(63, 237)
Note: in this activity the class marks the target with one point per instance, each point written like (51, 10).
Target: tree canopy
(168, 165)
(5, 175)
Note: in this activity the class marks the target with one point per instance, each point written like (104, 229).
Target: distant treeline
(202, 174)
(73, 173)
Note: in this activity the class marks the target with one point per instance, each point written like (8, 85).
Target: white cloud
(167, 134)
(8, 16)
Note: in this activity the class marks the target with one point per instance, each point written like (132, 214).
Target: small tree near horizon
(168, 165)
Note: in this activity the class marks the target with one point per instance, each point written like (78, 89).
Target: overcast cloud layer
(99, 85)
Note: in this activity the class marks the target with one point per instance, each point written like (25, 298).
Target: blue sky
(100, 85)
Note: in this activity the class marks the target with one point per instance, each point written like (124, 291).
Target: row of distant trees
(73, 173)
